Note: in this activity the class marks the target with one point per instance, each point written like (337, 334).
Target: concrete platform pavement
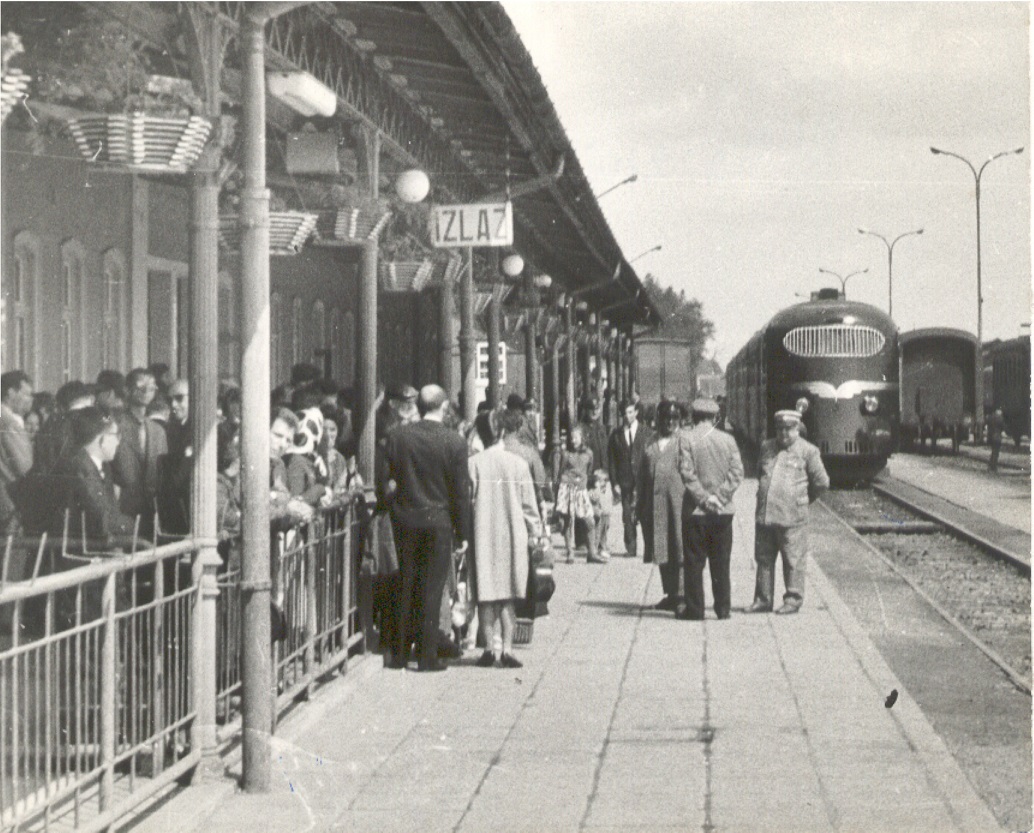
(622, 719)
(1005, 498)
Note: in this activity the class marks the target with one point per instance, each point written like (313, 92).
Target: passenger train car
(938, 385)
(839, 356)
(1009, 385)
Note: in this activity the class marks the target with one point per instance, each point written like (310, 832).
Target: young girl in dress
(573, 504)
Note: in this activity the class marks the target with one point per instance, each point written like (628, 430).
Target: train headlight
(870, 404)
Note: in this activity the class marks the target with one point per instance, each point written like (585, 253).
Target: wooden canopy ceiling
(462, 69)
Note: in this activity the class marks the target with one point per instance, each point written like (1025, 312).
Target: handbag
(380, 558)
(541, 585)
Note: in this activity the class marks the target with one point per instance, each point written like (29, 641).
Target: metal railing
(96, 708)
(315, 571)
(99, 664)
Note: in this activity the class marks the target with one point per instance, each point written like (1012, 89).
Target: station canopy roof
(464, 67)
(450, 88)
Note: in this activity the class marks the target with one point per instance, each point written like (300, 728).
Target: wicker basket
(288, 231)
(524, 631)
(13, 84)
(352, 224)
(141, 141)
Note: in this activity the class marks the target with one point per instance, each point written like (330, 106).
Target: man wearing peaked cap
(790, 478)
(711, 470)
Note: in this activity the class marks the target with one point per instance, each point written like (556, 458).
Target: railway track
(1005, 543)
(985, 597)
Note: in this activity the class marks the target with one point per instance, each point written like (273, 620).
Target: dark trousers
(707, 539)
(629, 519)
(996, 450)
(424, 556)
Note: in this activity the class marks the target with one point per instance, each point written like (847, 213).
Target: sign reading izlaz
(479, 224)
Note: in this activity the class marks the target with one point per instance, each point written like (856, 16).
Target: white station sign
(480, 224)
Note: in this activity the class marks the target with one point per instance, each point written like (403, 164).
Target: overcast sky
(765, 134)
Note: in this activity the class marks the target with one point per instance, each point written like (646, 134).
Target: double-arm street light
(890, 262)
(656, 248)
(980, 295)
(843, 280)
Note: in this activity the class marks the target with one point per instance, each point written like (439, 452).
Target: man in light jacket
(791, 478)
(711, 470)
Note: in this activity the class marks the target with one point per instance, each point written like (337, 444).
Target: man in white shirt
(15, 443)
(625, 455)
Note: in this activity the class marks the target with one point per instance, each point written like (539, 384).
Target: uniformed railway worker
(790, 478)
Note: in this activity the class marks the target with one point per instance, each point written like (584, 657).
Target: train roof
(936, 333)
(830, 311)
(823, 311)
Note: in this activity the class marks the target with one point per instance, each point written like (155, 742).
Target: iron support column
(494, 328)
(446, 337)
(468, 366)
(256, 672)
(572, 361)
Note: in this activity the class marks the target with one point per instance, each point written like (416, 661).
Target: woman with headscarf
(506, 518)
(306, 469)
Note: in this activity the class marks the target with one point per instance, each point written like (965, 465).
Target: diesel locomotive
(837, 362)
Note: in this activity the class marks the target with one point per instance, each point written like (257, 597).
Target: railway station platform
(621, 719)
(1003, 497)
(990, 509)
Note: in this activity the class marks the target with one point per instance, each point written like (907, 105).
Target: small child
(573, 503)
(602, 502)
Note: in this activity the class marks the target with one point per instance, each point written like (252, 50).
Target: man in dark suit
(431, 508)
(625, 455)
(86, 480)
(143, 441)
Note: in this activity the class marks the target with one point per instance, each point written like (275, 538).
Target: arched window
(337, 364)
(296, 331)
(113, 313)
(21, 293)
(348, 350)
(73, 277)
(276, 337)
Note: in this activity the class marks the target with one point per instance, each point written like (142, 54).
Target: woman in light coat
(661, 492)
(506, 517)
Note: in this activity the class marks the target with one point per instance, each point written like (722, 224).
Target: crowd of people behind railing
(107, 466)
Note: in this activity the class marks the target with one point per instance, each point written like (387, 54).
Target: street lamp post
(843, 280)
(890, 262)
(628, 180)
(977, 174)
(656, 248)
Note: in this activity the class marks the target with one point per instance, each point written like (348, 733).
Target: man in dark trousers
(625, 454)
(431, 511)
(711, 470)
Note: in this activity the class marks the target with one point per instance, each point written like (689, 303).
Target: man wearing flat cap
(790, 478)
(711, 470)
